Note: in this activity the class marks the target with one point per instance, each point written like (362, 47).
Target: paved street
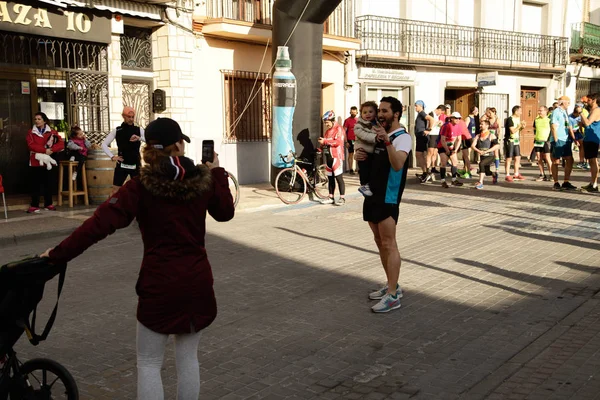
(501, 302)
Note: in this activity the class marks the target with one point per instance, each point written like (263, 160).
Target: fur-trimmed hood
(176, 178)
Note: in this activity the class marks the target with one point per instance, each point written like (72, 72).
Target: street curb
(19, 239)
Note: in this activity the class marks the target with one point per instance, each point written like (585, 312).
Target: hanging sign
(23, 18)
(487, 78)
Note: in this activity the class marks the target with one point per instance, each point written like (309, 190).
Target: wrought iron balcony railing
(340, 23)
(585, 41)
(452, 44)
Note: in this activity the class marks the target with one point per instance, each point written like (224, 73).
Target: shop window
(34, 51)
(247, 98)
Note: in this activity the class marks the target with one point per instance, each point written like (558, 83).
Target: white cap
(455, 114)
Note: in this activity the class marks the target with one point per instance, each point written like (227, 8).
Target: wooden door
(529, 107)
(465, 100)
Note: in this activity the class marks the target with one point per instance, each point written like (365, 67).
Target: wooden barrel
(100, 170)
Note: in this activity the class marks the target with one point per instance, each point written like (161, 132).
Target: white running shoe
(387, 304)
(378, 294)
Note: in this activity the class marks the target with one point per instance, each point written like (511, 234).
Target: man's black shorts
(441, 150)
(590, 150)
(350, 146)
(121, 174)
(546, 149)
(512, 150)
(466, 144)
(432, 141)
(421, 142)
(375, 211)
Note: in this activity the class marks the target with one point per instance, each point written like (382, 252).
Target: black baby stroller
(21, 289)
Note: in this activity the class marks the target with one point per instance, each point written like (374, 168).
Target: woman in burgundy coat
(170, 200)
(44, 140)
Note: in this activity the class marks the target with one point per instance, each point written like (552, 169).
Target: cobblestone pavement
(501, 302)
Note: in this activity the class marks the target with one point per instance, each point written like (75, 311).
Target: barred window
(584, 87)
(254, 124)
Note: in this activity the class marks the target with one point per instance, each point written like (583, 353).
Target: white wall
(453, 12)
(334, 97)
(250, 162)
(545, 17)
(384, 8)
(531, 18)
(213, 56)
(431, 84)
(594, 11)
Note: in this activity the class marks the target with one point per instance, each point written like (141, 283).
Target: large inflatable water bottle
(284, 103)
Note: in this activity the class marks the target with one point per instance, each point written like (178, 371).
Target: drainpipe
(306, 52)
(565, 7)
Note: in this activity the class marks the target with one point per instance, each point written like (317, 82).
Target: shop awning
(132, 8)
(126, 7)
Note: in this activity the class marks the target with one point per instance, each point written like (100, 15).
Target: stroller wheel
(49, 380)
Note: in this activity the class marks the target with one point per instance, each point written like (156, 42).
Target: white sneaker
(378, 294)
(387, 304)
(75, 175)
(328, 200)
(341, 201)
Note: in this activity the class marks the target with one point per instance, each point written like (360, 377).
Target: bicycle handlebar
(291, 156)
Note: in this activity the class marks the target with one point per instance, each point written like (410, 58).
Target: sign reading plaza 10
(65, 24)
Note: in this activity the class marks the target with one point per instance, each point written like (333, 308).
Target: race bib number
(516, 141)
(538, 143)
(128, 166)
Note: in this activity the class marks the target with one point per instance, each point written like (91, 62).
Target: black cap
(163, 132)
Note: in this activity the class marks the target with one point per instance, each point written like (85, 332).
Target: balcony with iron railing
(585, 44)
(251, 20)
(416, 42)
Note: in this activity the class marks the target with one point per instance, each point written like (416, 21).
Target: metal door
(136, 94)
(89, 104)
(496, 100)
(15, 121)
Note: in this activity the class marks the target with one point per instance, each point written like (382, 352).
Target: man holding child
(381, 210)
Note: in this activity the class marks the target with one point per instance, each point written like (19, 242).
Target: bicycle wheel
(235, 189)
(290, 186)
(49, 380)
(321, 182)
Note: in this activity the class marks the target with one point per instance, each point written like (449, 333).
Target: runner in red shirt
(450, 140)
(350, 137)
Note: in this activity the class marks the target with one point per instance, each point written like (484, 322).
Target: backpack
(21, 289)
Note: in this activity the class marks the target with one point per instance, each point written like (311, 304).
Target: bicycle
(234, 187)
(292, 183)
(21, 288)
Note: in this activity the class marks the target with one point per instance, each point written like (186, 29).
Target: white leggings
(150, 352)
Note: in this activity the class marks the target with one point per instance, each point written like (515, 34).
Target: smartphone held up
(208, 151)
